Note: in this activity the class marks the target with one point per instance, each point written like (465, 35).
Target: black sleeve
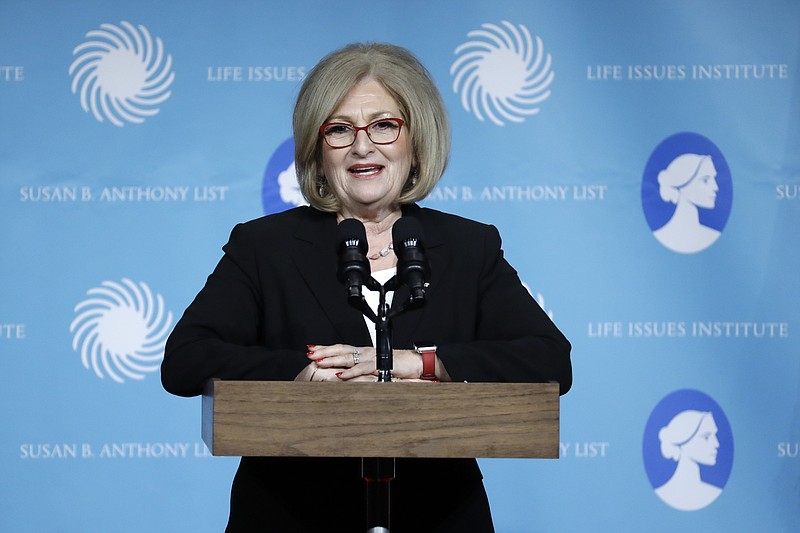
(514, 339)
(220, 333)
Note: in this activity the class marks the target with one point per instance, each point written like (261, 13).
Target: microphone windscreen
(351, 232)
(405, 229)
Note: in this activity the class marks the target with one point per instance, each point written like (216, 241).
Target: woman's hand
(312, 372)
(358, 363)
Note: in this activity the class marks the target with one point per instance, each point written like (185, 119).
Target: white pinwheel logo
(501, 73)
(122, 74)
(121, 329)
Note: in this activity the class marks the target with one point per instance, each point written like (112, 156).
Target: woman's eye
(385, 125)
(337, 129)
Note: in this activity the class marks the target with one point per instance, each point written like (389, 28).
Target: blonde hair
(409, 83)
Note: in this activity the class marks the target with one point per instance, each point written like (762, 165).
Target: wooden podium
(279, 418)
(380, 422)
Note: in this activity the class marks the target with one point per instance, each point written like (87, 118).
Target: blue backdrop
(641, 160)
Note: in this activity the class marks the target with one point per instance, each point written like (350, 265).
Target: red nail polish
(311, 346)
(339, 374)
(309, 354)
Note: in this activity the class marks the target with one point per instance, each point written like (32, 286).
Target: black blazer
(275, 291)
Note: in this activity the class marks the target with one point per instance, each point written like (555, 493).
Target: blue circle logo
(687, 193)
(279, 188)
(688, 450)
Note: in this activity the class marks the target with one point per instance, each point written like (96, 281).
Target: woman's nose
(362, 145)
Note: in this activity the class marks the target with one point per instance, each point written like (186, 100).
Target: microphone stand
(378, 472)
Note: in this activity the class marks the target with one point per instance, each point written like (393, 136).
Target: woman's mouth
(365, 171)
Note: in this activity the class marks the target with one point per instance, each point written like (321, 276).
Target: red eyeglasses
(342, 134)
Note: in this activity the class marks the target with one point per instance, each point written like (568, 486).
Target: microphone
(354, 268)
(412, 265)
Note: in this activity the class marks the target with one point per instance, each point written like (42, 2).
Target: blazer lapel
(315, 256)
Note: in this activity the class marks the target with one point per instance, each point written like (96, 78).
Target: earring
(322, 190)
(414, 176)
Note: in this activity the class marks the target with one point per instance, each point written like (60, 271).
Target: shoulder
(434, 215)
(458, 237)
(280, 231)
(282, 225)
(285, 219)
(452, 226)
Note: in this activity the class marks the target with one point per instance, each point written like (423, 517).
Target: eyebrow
(370, 118)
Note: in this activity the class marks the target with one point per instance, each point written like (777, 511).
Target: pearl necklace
(383, 253)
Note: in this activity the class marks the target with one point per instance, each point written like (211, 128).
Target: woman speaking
(372, 139)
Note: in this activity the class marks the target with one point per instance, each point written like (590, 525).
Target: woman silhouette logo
(688, 450)
(686, 193)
